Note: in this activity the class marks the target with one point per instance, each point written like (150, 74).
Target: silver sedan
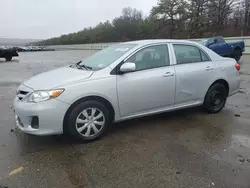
(125, 81)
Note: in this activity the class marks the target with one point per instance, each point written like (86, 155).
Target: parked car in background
(125, 81)
(33, 49)
(219, 45)
(8, 53)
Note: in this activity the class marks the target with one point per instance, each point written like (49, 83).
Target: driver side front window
(151, 57)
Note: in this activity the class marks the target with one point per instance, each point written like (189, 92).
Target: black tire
(216, 98)
(237, 54)
(8, 58)
(71, 124)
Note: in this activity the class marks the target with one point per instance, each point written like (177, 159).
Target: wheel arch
(104, 101)
(220, 81)
(237, 48)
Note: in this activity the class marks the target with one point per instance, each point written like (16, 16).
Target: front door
(151, 87)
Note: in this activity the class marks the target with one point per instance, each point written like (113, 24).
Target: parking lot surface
(187, 148)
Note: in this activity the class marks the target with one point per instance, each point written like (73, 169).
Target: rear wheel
(8, 58)
(216, 98)
(237, 54)
(88, 120)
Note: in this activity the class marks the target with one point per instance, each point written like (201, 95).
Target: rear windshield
(107, 56)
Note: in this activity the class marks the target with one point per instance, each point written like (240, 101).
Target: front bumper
(50, 113)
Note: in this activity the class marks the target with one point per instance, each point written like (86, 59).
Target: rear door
(194, 73)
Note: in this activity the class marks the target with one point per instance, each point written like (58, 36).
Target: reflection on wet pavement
(186, 148)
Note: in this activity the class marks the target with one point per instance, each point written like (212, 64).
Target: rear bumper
(50, 114)
(233, 93)
(234, 86)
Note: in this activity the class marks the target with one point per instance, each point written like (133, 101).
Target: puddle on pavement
(240, 141)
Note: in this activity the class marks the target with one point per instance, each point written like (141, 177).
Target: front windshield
(107, 56)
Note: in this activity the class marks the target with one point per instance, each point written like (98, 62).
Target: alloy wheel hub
(90, 122)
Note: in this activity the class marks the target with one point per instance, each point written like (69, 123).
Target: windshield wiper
(80, 66)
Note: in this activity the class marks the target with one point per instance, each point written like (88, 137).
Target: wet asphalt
(187, 148)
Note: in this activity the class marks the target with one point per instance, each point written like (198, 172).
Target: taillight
(237, 66)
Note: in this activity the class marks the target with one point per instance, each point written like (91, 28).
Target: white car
(125, 81)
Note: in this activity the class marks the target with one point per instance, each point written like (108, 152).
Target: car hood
(57, 77)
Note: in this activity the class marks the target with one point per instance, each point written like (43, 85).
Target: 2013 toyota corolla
(125, 81)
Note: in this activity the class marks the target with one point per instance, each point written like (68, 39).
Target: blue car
(231, 49)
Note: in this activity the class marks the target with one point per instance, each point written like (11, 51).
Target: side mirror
(128, 67)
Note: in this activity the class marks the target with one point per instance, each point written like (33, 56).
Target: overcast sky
(40, 19)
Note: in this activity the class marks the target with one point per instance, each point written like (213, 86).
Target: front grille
(21, 94)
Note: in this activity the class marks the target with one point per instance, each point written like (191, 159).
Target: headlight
(39, 96)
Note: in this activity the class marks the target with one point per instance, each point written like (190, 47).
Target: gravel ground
(187, 148)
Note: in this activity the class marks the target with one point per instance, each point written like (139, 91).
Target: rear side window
(204, 56)
(188, 54)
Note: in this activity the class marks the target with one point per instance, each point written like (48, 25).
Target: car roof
(153, 41)
(144, 43)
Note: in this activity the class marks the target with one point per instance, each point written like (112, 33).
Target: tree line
(168, 19)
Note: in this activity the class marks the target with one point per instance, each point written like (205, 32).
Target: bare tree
(169, 19)
(247, 15)
(168, 12)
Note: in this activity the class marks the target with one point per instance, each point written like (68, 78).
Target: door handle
(167, 74)
(209, 68)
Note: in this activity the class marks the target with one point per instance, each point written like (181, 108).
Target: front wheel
(88, 120)
(216, 98)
